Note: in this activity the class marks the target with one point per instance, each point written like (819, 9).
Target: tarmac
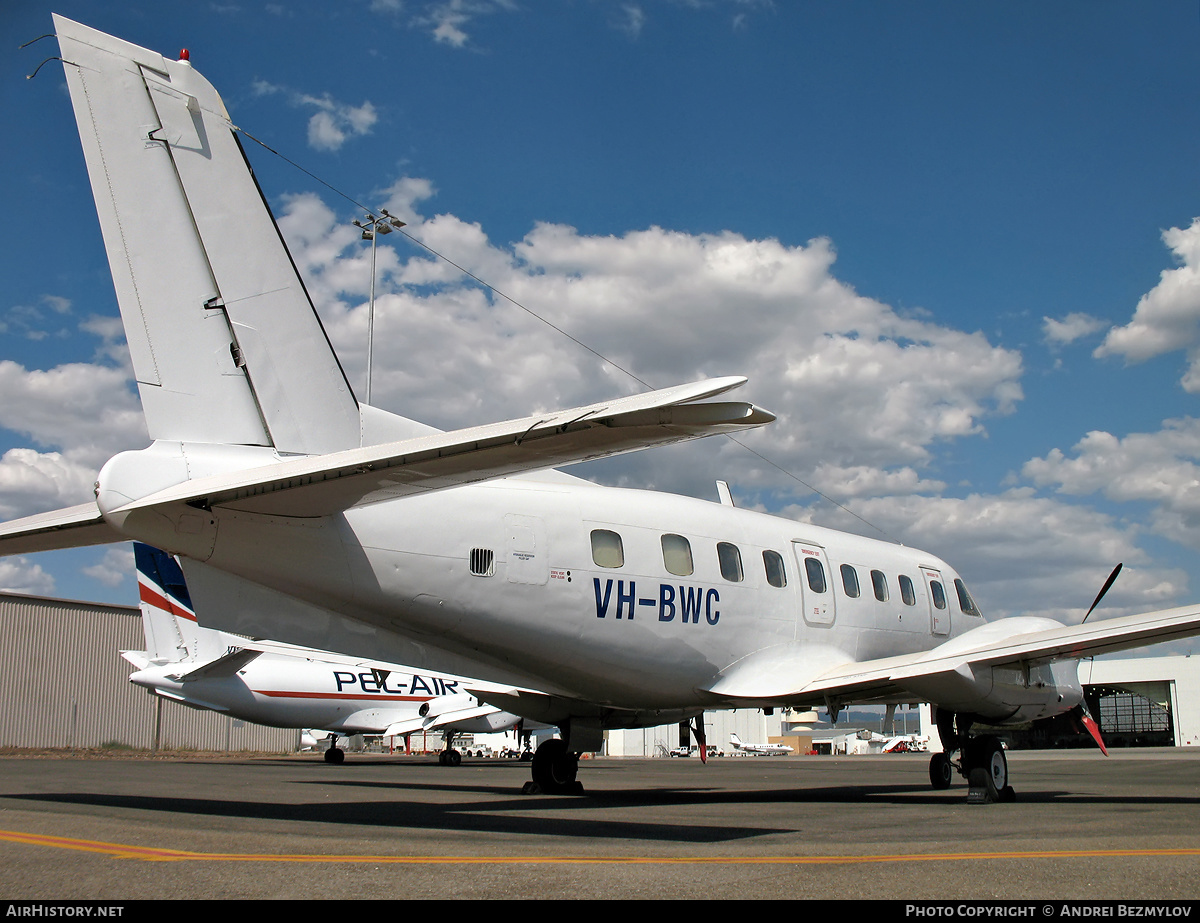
(387, 827)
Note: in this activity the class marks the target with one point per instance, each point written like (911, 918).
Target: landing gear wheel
(449, 758)
(554, 768)
(941, 772)
(335, 755)
(988, 772)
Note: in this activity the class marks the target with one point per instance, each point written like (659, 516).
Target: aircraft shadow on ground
(543, 815)
(464, 817)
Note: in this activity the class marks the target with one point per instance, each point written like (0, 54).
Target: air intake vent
(483, 562)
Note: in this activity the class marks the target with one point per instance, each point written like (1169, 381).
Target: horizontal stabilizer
(73, 527)
(137, 658)
(226, 665)
(327, 484)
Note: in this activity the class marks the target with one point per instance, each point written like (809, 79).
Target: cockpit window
(607, 550)
(965, 602)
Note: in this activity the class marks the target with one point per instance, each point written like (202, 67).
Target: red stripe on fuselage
(285, 694)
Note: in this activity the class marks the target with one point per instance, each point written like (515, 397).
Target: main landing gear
(334, 754)
(554, 770)
(449, 756)
(982, 761)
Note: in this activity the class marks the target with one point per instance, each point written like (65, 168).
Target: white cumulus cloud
(855, 382)
(333, 122)
(1162, 469)
(1167, 317)
(1073, 327)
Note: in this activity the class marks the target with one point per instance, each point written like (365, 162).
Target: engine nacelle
(1009, 693)
(444, 704)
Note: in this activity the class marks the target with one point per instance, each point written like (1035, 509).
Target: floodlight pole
(371, 228)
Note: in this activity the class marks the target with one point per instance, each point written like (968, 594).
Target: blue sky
(951, 244)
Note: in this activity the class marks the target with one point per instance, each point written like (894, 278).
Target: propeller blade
(1092, 727)
(1104, 589)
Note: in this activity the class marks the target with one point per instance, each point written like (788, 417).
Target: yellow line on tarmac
(152, 854)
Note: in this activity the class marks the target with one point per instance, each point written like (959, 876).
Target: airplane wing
(324, 484)
(911, 677)
(437, 722)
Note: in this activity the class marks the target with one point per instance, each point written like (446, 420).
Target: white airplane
(287, 687)
(759, 749)
(302, 515)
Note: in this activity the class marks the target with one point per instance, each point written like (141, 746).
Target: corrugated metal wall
(63, 683)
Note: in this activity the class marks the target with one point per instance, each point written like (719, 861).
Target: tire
(988, 772)
(335, 755)
(554, 767)
(941, 772)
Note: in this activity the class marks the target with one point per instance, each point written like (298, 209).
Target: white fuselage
(503, 577)
(290, 693)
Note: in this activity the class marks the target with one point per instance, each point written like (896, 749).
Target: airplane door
(816, 593)
(939, 610)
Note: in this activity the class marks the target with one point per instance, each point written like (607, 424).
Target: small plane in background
(292, 687)
(759, 749)
(300, 514)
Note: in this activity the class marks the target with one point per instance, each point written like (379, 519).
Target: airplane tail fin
(168, 617)
(226, 345)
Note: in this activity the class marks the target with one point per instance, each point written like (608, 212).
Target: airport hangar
(63, 684)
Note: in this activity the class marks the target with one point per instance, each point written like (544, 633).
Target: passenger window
(731, 561)
(773, 562)
(677, 555)
(816, 575)
(939, 594)
(965, 602)
(879, 582)
(607, 550)
(907, 592)
(850, 581)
